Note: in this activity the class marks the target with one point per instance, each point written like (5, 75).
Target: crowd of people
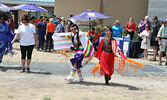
(150, 34)
(39, 32)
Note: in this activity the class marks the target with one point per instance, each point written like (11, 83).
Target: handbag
(145, 40)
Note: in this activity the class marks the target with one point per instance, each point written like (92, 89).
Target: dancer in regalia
(106, 54)
(6, 35)
(80, 51)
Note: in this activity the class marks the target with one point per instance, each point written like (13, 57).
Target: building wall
(119, 9)
(124, 9)
(66, 7)
(157, 8)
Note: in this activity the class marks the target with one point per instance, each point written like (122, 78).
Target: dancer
(6, 35)
(79, 52)
(106, 54)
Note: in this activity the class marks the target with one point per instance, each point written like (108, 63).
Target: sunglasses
(24, 22)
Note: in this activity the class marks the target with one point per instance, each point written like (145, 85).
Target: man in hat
(162, 41)
(6, 35)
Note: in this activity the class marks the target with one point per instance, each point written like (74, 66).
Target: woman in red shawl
(106, 53)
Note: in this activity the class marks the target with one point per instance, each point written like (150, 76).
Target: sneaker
(80, 79)
(23, 70)
(28, 70)
(69, 78)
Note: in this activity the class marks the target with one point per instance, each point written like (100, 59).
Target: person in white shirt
(28, 39)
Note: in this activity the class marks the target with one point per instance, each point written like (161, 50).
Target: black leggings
(131, 34)
(26, 50)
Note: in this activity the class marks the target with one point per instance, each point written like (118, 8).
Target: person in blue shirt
(117, 29)
(6, 35)
(41, 27)
(59, 27)
(103, 33)
(55, 20)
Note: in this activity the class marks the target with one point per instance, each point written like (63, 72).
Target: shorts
(163, 46)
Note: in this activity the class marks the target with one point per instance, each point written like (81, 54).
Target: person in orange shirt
(91, 34)
(49, 32)
(96, 38)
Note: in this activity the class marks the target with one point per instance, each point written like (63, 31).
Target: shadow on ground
(4, 69)
(111, 84)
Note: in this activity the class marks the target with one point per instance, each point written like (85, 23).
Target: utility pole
(100, 10)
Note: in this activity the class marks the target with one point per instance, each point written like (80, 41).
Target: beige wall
(119, 9)
(123, 9)
(67, 7)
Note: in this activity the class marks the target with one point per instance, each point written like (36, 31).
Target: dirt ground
(39, 86)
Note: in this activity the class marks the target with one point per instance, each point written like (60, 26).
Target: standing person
(59, 27)
(106, 54)
(63, 24)
(78, 54)
(162, 41)
(6, 35)
(142, 24)
(41, 27)
(145, 44)
(154, 43)
(38, 20)
(96, 38)
(28, 38)
(32, 20)
(103, 33)
(91, 34)
(131, 27)
(69, 23)
(49, 32)
(11, 23)
(117, 29)
(55, 20)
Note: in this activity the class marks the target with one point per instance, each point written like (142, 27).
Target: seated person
(91, 34)
(96, 38)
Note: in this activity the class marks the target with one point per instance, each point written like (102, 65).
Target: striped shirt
(162, 33)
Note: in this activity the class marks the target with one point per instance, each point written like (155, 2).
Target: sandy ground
(40, 86)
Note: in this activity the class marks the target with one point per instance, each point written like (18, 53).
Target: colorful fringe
(124, 64)
(95, 70)
(65, 52)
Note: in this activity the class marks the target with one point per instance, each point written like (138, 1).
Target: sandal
(160, 63)
(152, 59)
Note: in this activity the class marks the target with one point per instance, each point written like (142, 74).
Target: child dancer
(78, 54)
